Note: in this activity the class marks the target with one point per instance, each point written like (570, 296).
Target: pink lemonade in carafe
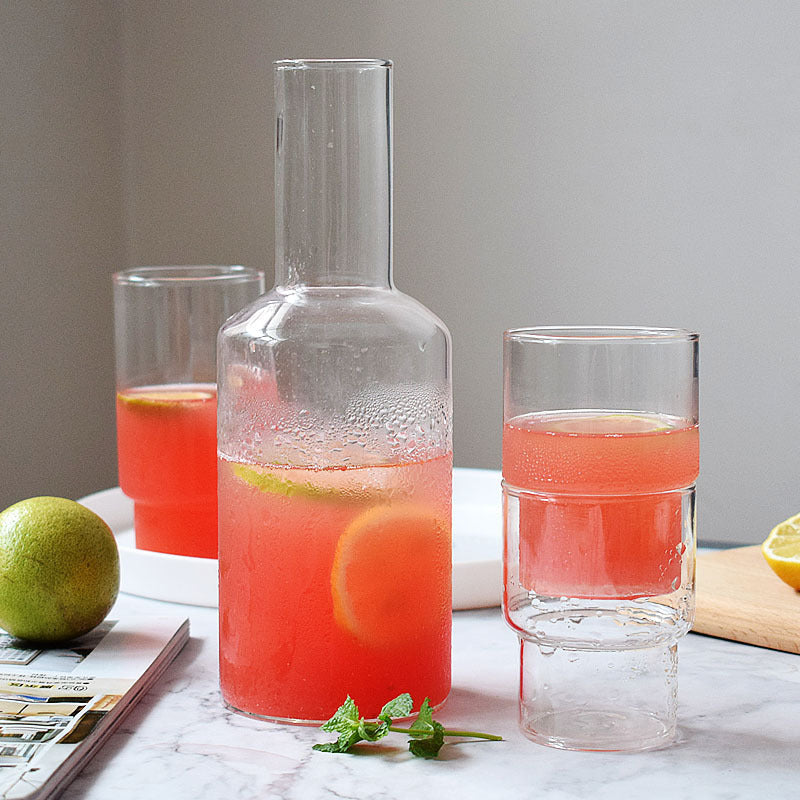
(600, 507)
(167, 441)
(354, 589)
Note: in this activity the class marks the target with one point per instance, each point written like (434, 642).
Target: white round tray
(477, 548)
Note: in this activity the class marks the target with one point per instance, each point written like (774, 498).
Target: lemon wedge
(781, 549)
(165, 397)
(611, 424)
(273, 483)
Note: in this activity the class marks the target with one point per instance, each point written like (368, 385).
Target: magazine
(58, 705)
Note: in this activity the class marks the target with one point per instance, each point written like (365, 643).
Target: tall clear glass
(166, 324)
(600, 459)
(334, 431)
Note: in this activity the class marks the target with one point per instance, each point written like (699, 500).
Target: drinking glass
(166, 322)
(600, 458)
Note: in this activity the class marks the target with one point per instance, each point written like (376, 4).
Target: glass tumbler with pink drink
(166, 323)
(600, 459)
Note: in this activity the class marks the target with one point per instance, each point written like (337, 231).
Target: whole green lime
(59, 569)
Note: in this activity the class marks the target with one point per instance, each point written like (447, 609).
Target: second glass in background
(166, 324)
(600, 457)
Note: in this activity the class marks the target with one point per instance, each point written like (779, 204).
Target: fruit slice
(609, 424)
(335, 491)
(781, 549)
(164, 397)
(271, 483)
(391, 575)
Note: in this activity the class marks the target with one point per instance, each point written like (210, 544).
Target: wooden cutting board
(739, 597)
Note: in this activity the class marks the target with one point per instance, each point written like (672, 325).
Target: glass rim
(186, 274)
(333, 63)
(598, 333)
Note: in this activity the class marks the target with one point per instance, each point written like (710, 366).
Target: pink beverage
(166, 321)
(334, 581)
(167, 442)
(600, 513)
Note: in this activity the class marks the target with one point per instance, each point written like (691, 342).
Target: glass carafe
(334, 431)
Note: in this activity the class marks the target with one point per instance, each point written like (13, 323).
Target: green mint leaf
(345, 719)
(427, 735)
(430, 746)
(328, 747)
(352, 728)
(372, 731)
(348, 724)
(347, 739)
(347, 710)
(423, 725)
(401, 706)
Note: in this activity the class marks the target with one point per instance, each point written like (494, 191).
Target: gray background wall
(556, 162)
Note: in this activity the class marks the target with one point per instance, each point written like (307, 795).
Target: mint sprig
(426, 734)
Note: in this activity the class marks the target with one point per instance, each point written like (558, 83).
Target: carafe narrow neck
(333, 173)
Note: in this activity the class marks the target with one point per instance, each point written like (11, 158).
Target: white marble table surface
(739, 735)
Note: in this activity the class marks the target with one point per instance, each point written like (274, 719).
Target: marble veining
(738, 736)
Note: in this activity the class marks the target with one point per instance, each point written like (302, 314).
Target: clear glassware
(600, 458)
(166, 323)
(334, 431)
